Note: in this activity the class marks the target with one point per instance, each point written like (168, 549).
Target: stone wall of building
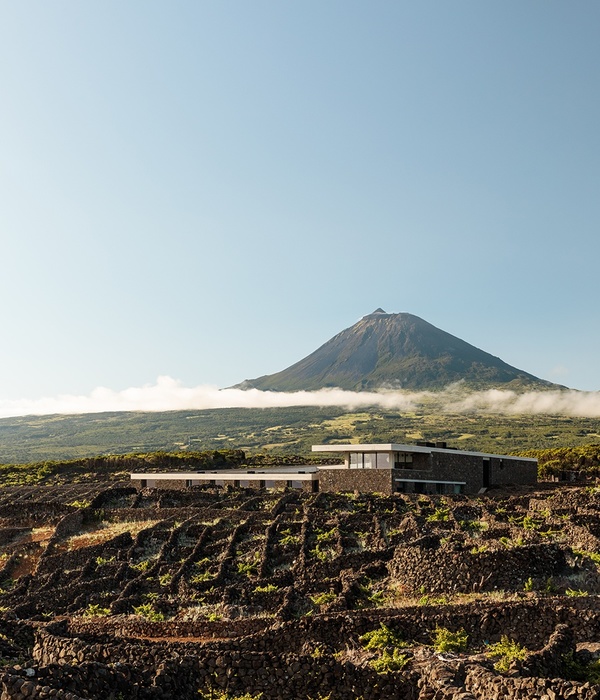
(363, 480)
(180, 484)
(467, 468)
(513, 471)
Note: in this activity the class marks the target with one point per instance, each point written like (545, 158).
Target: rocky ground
(114, 593)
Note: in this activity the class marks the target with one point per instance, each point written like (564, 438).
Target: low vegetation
(53, 446)
(506, 651)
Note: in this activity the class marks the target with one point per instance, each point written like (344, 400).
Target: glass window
(370, 460)
(383, 460)
(403, 460)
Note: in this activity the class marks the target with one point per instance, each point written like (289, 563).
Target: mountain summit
(396, 351)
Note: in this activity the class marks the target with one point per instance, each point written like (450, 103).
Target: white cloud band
(168, 394)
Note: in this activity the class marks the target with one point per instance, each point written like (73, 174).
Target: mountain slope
(395, 351)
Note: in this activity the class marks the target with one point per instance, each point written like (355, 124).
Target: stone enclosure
(207, 592)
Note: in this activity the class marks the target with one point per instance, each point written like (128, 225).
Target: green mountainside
(396, 351)
(279, 431)
(582, 461)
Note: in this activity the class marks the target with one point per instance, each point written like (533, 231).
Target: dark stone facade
(476, 471)
(364, 480)
(436, 472)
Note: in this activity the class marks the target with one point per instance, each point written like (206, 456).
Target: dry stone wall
(162, 594)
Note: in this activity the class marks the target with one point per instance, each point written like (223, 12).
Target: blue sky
(211, 190)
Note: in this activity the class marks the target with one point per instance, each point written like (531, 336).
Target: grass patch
(106, 531)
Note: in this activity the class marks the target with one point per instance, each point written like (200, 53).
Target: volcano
(396, 351)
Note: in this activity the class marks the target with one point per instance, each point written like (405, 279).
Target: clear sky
(211, 190)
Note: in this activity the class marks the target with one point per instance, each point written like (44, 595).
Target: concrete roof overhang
(411, 449)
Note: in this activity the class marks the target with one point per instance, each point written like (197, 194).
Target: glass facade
(369, 460)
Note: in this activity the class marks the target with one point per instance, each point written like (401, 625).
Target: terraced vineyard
(114, 593)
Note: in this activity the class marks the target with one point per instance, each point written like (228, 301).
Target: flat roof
(394, 447)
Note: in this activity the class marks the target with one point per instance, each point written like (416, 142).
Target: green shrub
(318, 651)
(326, 536)
(250, 567)
(592, 556)
(447, 641)
(322, 554)
(200, 578)
(439, 515)
(508, 650)
(93, 610)
(382, 638)
(390, 661)
(147, 610)
(223, 695)
(79, 504)
(289, 539)
(102, 561)
(165, 579)
(530, 523)
(323, 598)
(474, 525)
(479, 549)
(141, 566)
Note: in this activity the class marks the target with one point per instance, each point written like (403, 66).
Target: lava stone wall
(442, 570)
(179, 484)
(455, 466)
(364, 480)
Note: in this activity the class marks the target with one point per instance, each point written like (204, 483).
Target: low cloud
(168, 394)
